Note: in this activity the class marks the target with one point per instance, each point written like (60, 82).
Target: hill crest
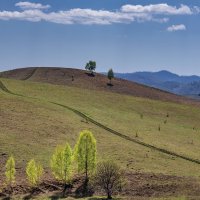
(83, 79)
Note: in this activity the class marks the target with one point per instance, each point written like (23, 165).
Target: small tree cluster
(107, 176)
(84, 153)
(91, 67)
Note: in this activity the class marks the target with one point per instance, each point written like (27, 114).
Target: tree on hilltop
(91, 66)
(110, 75)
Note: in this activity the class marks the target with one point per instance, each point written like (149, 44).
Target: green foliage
(34, 172)
(110, 75)
(10, 170)
(61, 162)
(85, 152)
(91, 66)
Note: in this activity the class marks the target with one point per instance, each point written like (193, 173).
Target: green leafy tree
(61, 163)
(34, 172)
(91, 66)
(85, 153)
(10, 171)
(109, 177)
(110, 75)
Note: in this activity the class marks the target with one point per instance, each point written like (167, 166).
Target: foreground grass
(32, 128)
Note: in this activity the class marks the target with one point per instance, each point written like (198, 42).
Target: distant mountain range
(165, 80)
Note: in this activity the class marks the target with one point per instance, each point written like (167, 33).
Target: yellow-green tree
(34, 172)
(85, 153)
(10, 171)
(61, 163)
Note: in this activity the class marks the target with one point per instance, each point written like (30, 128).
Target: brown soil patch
(137, 186)
(159, 185)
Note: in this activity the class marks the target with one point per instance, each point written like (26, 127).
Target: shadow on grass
(110, 84)
(90, 74)
(57, 197)
(6, 198)
(34, 193)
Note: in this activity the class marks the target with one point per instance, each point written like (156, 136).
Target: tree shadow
(90, 74)
(33, 193)
(110, 84)
(84, 190)
(6, 198)
(56, 196)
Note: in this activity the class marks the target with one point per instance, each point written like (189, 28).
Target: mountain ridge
(166, 80)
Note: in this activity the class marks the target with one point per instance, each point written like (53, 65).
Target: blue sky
(126, 35)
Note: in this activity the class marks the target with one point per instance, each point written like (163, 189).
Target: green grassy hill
(35, 117)
(42, 125)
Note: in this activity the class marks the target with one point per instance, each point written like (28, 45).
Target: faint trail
(4, 88)
(77, 112)
(30, 75)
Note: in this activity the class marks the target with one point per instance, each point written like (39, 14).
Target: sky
(126, 35)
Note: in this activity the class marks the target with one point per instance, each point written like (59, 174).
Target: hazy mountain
(183, 85)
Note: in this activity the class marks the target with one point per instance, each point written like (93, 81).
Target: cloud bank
(36, 12)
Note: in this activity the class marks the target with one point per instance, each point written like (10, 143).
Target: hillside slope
(35, 117)
(126, 114)
(63, 76)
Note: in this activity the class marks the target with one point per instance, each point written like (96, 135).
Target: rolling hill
(153, 135)
(82, 79)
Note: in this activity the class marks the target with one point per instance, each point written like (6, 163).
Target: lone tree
(61, 163)
(85, 154)
(109, 177)
(110, 75)
(34, 172)
(10, 171)
(91, 66)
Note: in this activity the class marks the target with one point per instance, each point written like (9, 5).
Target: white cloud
(179, 27)
(163, 9)
(128, 13)
(28, 5)
(73, 16)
